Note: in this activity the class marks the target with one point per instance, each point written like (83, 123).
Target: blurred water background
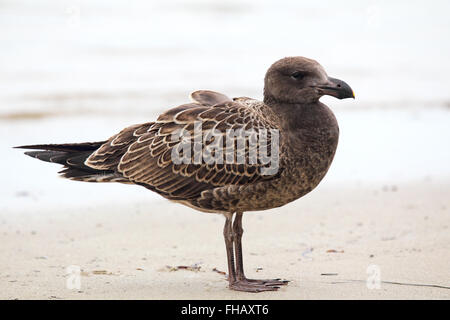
(73, 71)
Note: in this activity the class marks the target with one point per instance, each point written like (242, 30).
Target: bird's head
(301, 80)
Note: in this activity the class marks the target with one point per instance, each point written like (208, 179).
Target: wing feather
(142, 154)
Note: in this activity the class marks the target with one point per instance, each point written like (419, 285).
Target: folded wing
(144, 154)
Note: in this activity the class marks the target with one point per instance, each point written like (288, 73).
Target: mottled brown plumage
(143, 154)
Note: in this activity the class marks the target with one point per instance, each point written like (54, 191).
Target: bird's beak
(336, 88)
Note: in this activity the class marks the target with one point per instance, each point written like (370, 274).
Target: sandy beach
(324, 244)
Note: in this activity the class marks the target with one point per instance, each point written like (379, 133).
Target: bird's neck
(295, 117)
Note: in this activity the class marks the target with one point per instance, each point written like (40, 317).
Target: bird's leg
(228, 235)
(238, 231)
(242, 283)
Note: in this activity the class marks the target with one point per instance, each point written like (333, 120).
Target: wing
(165, 155)
(209, 98)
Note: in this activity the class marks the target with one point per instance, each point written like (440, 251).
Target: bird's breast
(307, 150)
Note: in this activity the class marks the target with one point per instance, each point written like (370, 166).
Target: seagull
(213, 154)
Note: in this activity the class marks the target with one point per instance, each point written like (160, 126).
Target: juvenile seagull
(143, 154)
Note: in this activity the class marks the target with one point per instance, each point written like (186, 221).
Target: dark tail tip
(66, 147)
(62, 153)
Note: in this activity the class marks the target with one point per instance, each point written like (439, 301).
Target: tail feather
(67, 147)
(48, 156)
(73, 156)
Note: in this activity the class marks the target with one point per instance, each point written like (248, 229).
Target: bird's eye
(298, 75)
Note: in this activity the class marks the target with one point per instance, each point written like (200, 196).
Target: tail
(72, 156)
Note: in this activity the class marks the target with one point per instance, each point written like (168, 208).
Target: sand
(328, 244)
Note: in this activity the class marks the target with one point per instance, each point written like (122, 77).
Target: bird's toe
(252, 285)
(269, 282)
